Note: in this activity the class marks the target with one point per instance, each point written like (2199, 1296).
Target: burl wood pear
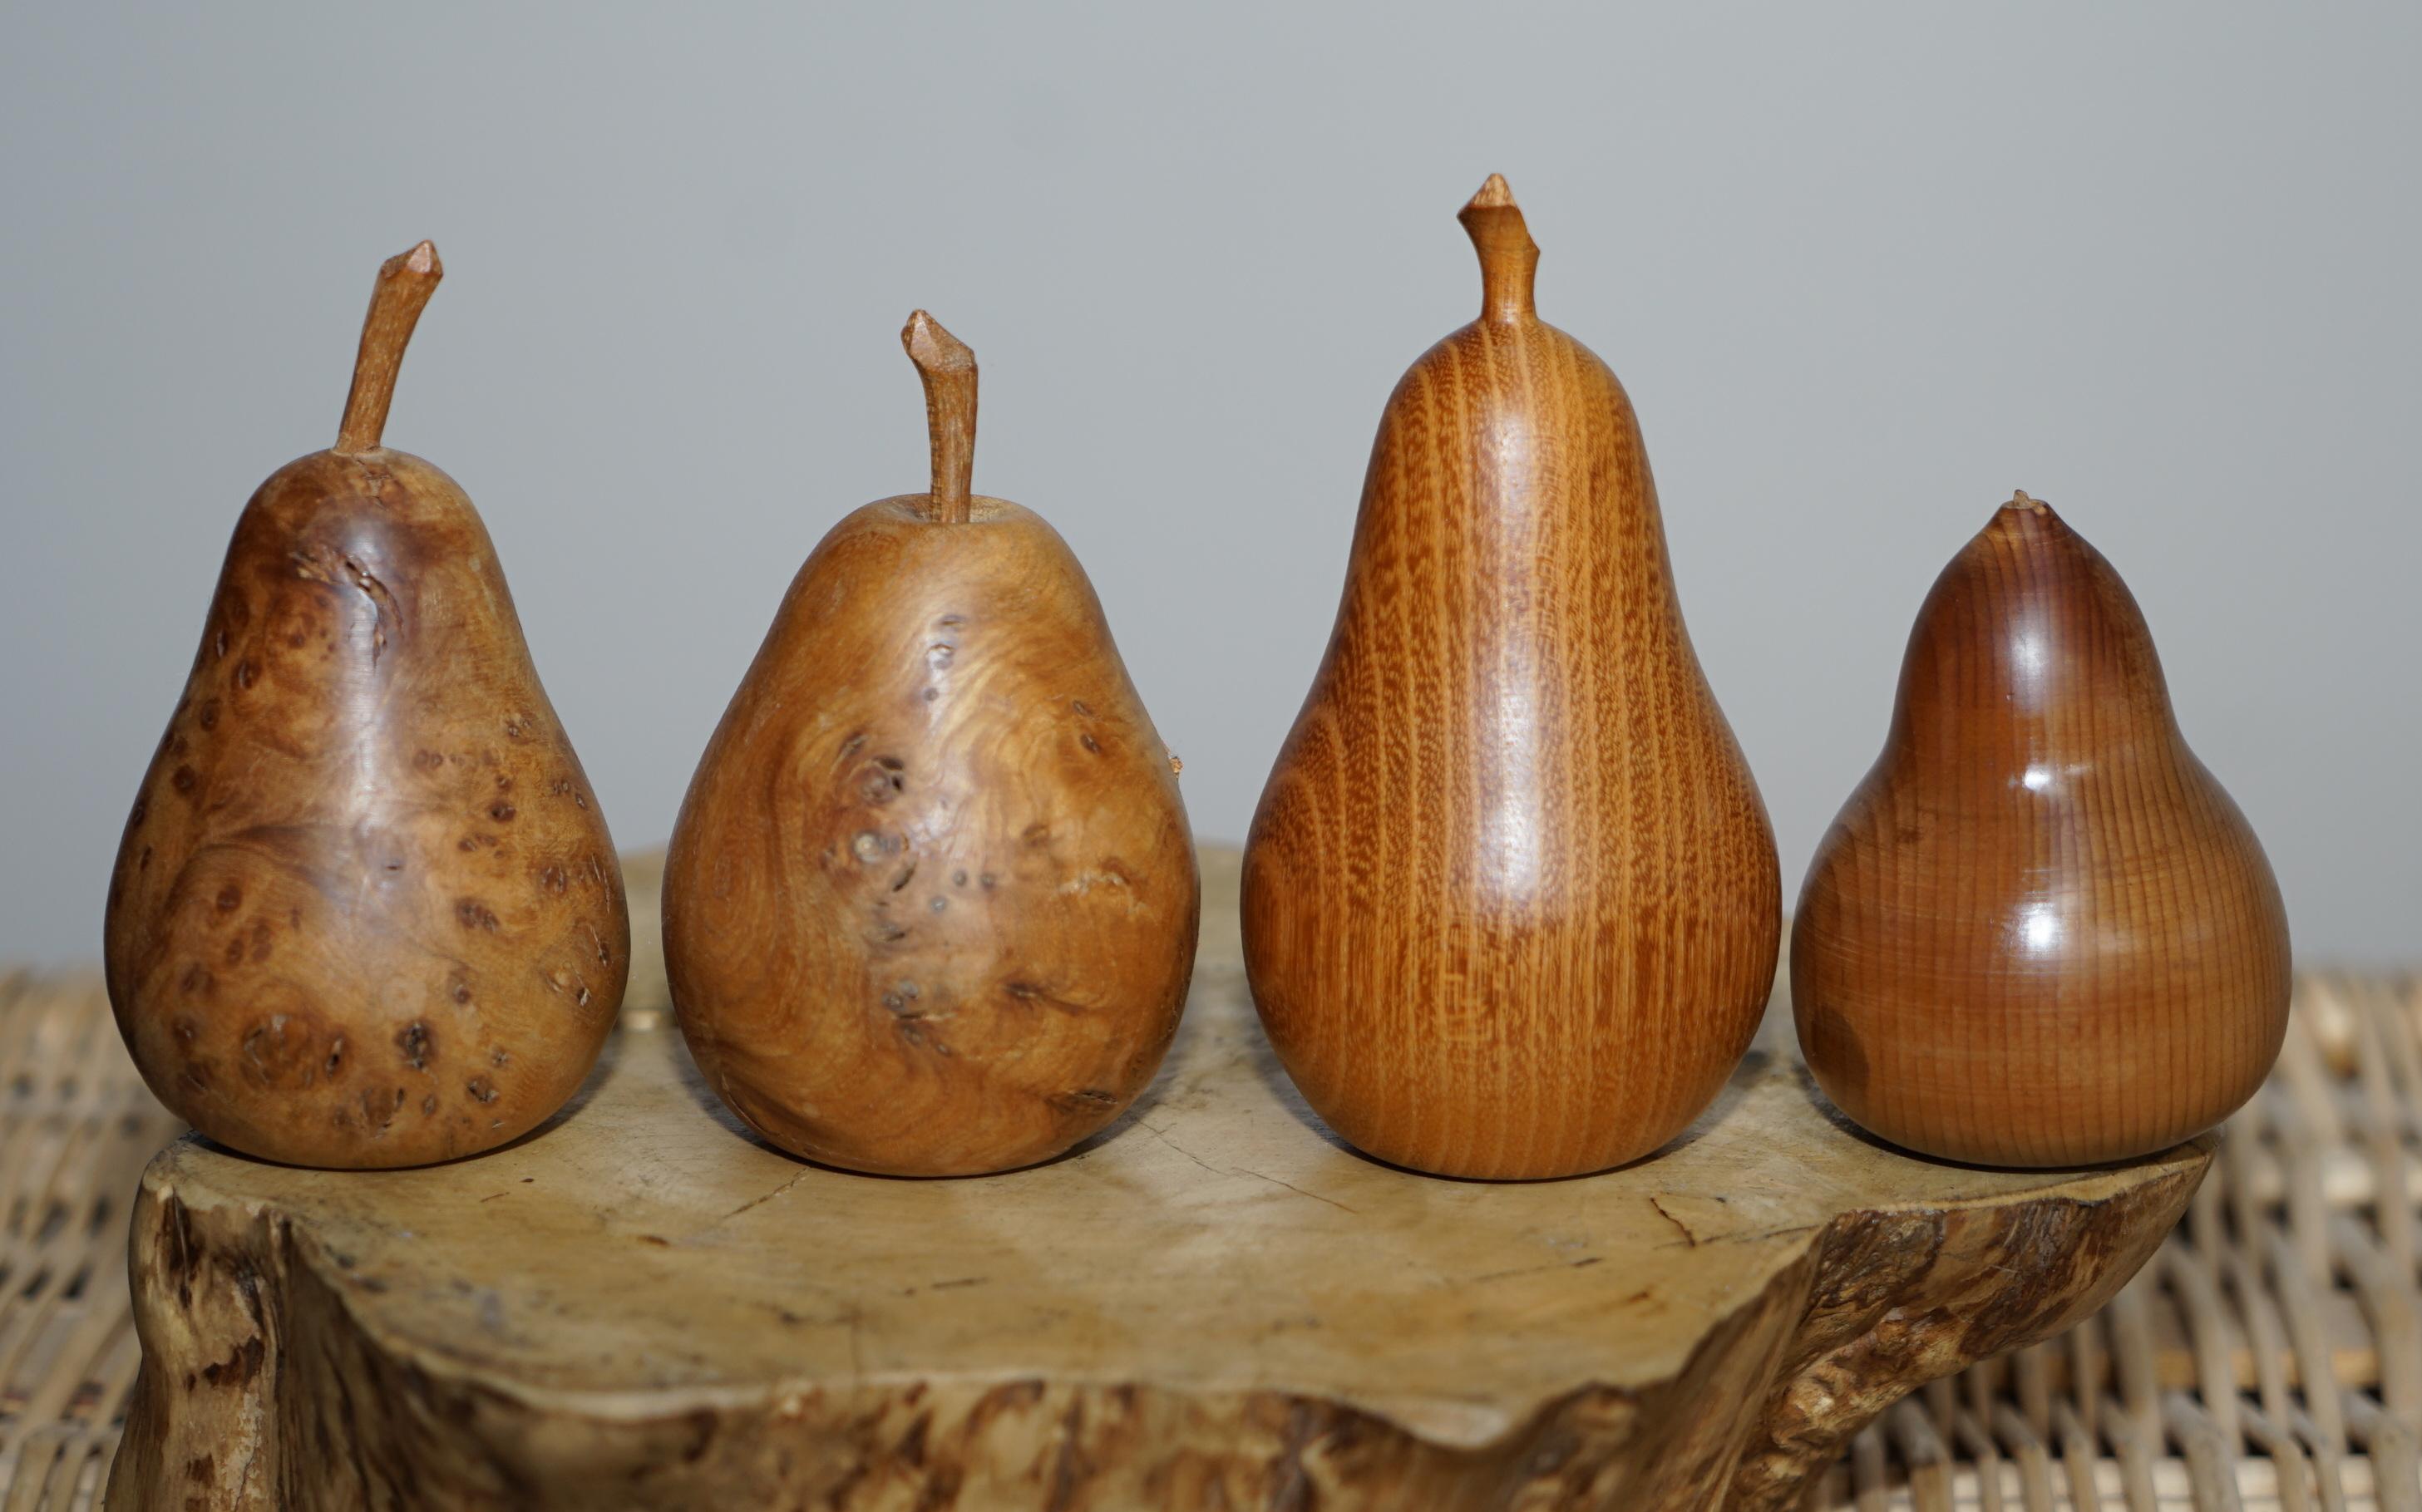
(931, 903)
(1511, 902)
(2039, 933)
(366, 912)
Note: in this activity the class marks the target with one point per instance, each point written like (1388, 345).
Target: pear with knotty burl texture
(931, 902)
(366, 912)
(1511, 902)
(2039, 933)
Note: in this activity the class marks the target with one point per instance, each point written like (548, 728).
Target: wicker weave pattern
(2297, 1264)
(2196, 1388)
(76, 1126)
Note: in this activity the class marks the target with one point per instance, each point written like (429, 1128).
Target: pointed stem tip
(947, 368)
(406, 281)
(2028, 517)
(1494, 194)
(1509, 259)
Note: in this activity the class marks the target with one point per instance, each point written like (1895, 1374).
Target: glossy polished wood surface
(2039, 933)
(1511, 902)
(930, 907)
(366, 912)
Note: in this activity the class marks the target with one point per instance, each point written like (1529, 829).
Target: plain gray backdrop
(1864, 269)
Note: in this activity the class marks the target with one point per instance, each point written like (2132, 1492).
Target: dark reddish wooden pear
(931, 902)
(2039, 933)
(366, 912)
(1511, 902)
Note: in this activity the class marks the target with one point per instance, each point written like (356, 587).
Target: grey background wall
(1864, 269)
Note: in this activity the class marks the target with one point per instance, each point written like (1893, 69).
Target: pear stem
(949, 371)
(406, 281)
(1509, 259)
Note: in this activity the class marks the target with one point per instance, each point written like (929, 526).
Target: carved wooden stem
(406, 281)
(949, 370)
(1509, 259)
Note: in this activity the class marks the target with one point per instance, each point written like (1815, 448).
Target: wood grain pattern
(948, 370)
(2039, 933)
(366, 912)
(1211, 1307)
(1511, 900)
(931, 901)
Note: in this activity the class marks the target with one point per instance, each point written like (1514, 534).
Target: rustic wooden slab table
(1214, 1304)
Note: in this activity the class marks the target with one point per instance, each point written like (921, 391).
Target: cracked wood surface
(1213, 1303)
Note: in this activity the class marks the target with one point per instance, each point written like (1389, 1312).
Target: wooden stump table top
(1211, 1304)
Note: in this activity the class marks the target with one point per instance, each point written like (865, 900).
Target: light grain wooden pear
(931, 903)
(1510, 901)
(366, 912)
(2039, 933)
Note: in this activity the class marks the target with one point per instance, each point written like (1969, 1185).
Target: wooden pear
(931, 903)
(1511, 903)
(2039, 933)
(366, 912)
